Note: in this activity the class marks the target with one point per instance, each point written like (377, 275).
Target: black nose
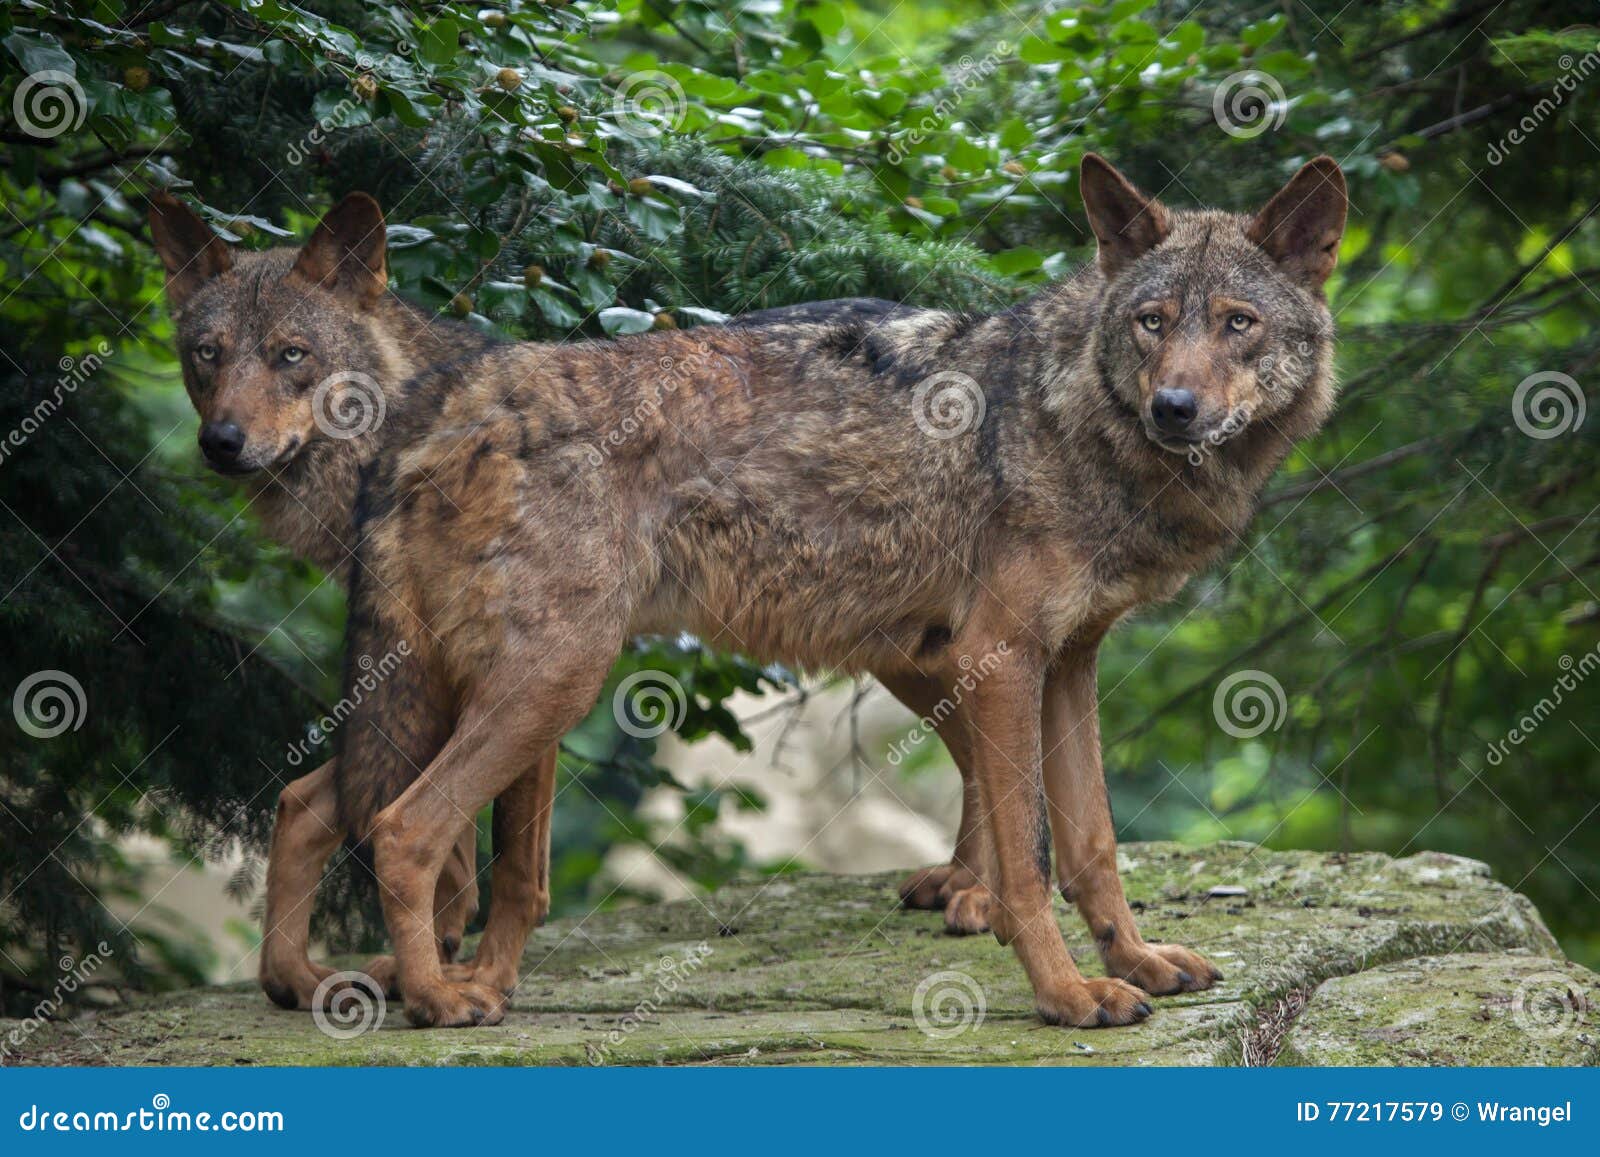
(221, 442)
(1173, 410)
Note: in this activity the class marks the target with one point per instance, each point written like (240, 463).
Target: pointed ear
(1300, 228)
(1126, 223)
(190, 252)
(346, 253)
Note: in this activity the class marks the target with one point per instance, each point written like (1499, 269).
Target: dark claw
(477, 1015)
(1184, 977)
(1145, 1008)
(1215, 975)
(1102, 1017)
(451, 945)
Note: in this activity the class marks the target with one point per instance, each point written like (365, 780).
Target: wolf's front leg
(1006, 762)
(1086, 842)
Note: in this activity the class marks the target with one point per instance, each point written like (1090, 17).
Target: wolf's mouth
(1173, 443)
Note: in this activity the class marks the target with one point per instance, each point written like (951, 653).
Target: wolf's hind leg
(1086, 841)
(455, 902)
(954, 888)
(307, 831)
(521, 877)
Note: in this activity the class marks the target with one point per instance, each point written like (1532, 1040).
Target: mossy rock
(817, 969)
(1482, 1008)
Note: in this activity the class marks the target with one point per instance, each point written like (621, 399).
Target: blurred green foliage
(1417, 581)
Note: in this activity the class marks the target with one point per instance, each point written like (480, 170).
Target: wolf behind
(903, 497)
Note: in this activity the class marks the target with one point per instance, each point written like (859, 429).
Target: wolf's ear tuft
(190, 252)
(346, 253)
(1300, 228)
(1126, 223)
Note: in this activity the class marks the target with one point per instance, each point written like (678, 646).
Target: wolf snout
(221, 443)
(1173, 411)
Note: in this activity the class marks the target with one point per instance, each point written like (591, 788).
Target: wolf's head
(1211, 321)
(279, 348)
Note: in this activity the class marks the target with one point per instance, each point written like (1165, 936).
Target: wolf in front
(804, 491)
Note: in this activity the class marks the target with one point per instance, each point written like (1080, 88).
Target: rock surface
(1359, 960)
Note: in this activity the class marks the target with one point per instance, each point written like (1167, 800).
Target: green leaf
(620, 319)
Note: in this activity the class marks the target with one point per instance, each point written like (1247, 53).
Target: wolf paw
(482, 973)
(455, 1005)
(294, 985)
(967, 912)
(1098, 1003)
(931, 888)
(1162, 969)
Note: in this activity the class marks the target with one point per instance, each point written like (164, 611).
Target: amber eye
(206, 352)
(1240, 322)
(292, 354)
(1151, 322)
